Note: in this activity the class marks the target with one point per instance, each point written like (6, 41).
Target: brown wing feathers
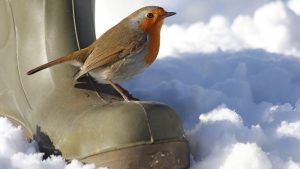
(94, 62)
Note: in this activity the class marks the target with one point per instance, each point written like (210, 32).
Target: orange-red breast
(123, 51)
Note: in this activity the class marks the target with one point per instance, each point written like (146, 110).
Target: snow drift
(240, 109)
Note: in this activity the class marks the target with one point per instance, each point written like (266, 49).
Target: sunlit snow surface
(240, 110)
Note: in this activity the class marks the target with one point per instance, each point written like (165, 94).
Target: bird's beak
(168, 14)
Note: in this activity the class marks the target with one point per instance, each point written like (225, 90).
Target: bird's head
(150, 17)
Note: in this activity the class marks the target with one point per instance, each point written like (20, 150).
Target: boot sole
(165, 155)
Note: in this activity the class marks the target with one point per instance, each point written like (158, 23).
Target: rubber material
(165, 155)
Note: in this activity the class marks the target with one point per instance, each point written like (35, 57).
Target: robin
(122, 52)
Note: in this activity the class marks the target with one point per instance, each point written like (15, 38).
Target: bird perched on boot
(125, 50)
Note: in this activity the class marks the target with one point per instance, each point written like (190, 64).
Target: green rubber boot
(78, 124)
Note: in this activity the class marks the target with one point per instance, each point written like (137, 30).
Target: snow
(287, 129)
(17, 153)
(248, 156)
(221, 114)
(244, 104)
(272, 27)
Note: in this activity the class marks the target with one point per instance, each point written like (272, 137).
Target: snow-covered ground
(231, 70)
(17, 153)
(240, 110)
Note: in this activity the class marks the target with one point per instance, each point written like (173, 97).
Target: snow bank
(241, 110)
(272, 27)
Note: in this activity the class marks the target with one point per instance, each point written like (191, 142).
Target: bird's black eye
(150, 15)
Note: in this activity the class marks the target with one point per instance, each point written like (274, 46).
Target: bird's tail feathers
(80, 55)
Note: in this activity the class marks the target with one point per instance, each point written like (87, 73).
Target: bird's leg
(95, 88)
(126, 92)
(119, 90)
